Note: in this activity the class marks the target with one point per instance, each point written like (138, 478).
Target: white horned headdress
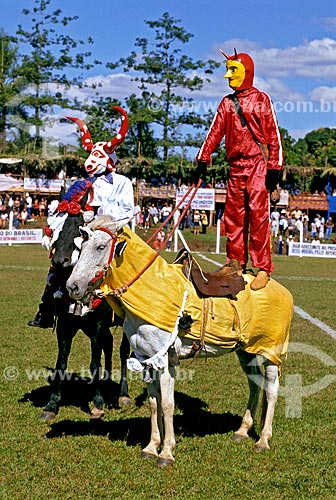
(102, 154)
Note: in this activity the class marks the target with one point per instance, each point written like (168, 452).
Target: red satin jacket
(240, 146)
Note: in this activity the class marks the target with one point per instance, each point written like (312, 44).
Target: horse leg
(269, 402)
(153, 390)
(167, 384)
(124, 351)
(65, 334)
(96, 335)
(161, 399)
(107, 348)
(251, 368)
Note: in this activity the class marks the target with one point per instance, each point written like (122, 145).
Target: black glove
(200, 172)
(272, 179)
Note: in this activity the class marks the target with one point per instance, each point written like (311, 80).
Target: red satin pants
(246, 218)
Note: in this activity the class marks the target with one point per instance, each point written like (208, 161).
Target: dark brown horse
(95, 324)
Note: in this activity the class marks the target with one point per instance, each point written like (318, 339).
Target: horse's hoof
(238, 438)
(124, 401)
(47, 416)
(97, 414)
(261, 448)
(164, 462)
(148, 456)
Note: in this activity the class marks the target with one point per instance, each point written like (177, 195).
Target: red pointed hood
(248, 64)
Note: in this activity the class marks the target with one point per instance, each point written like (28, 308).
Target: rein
(173, 212)
(154, 257)
(123, 289)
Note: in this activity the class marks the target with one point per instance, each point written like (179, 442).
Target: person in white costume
(112, 195)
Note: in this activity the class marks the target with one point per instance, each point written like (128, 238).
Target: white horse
(165, 316)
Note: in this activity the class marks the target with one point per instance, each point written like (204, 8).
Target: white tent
(10, 183)
(10, 161)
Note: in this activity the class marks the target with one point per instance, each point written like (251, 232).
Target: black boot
(45, 315)
(42, 321)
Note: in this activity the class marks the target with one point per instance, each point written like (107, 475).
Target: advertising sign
(45, 186)
(11, 236)
(311, 250)
(204, 199)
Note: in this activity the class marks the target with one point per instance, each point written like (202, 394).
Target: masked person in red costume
(247, 120)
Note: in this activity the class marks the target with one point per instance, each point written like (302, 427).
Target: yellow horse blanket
(258, 321)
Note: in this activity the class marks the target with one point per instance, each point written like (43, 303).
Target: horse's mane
(107, 222)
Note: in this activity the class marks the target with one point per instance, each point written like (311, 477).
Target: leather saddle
(226, 281)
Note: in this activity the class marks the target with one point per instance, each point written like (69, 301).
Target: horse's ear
(85, 232)
(83, 201)
(61, 193)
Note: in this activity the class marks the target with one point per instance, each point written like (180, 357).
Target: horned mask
(102, 154)
(240, 70)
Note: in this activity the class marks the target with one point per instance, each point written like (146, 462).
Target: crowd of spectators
(151, 215)
(24, 209)
(288, 225)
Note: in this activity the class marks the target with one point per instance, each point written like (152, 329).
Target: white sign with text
(11, 236)
(311, 250)
(204, 198)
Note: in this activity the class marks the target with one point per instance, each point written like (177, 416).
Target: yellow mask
(235, 73)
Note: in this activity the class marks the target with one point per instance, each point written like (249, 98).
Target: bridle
(114, 237)
(100, 275)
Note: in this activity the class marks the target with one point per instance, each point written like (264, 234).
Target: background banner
(20, 236)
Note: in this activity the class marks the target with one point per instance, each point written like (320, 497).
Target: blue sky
(293, 44)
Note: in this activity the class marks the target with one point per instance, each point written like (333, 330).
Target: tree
(321, 145)
(309, 160)
(10, 85)
(291, 156)
(140, 141)
(48, 54)
(164, 73)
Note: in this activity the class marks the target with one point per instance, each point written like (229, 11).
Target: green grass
(78, 460)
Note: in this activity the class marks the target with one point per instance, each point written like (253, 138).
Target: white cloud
(218, 87)
(277, 89)
(277, 70)
(116, 86)
(314, 59)
(324, 93)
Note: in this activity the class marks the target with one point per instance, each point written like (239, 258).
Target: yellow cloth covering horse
(259, 321)
(153, 300)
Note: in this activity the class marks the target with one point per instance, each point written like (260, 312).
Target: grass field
(76, 459)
